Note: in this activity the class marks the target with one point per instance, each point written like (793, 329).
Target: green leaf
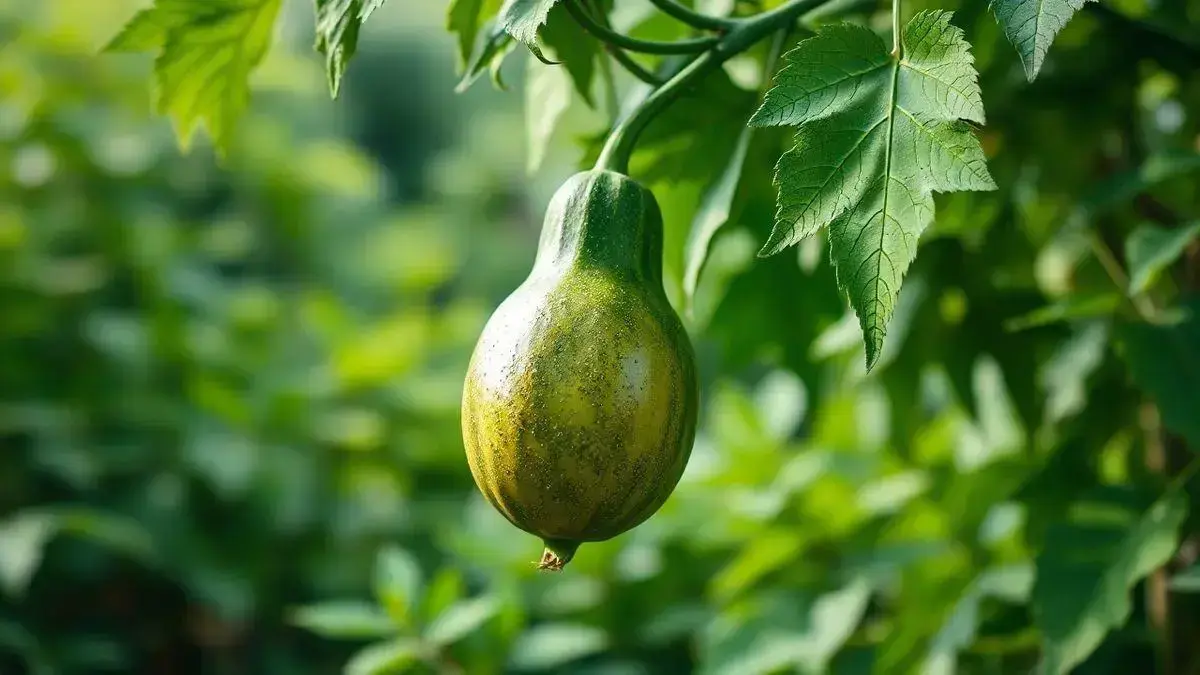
(1075, 307)
(1031, 25)
(877, 136)
(1149, 250)
(444, 590)
(385, 658)
(338, 25)
(146, 31)
(574, 48)
(779, 632)
(465, 18)
(344, 619)
(547, 98)
(1165, 362)
(832, 620)
(552, 645)
(1011, 583)
(398, 583)
(490, 55)
(23, 537)
(714, 212)
(461, 619)
(1090, 564)
(207, 50)
(1065, 374)
(522, 18)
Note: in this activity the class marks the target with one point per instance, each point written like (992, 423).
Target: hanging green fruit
(580, 404)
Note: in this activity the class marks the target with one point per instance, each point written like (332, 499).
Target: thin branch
(691, 17)
(626, 61)
(612, 37)
(744, 34)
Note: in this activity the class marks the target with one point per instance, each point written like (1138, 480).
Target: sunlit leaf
(344, 619)
(523, 18)
(206, 52)
(877, 136)
(385, 658)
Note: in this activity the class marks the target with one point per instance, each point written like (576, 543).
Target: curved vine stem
(636, 69)
(616, 39)
(691, 17)
(624, 60)
(743, 34)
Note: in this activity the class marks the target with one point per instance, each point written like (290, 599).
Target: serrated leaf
(1149, 250)
(385, 658)
(1089, 566)
(877, 136)
(522, 18)
(1165, 362)
(1031, 26)
(146, 31)
(207, 50)
(343, 619)
(461, 619)
(338, 25)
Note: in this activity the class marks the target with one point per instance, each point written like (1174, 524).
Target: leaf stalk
(691, 17)
(612, 37)
(742, 34)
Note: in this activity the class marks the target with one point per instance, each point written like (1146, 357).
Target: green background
(229, 391)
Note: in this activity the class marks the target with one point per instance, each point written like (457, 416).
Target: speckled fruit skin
(579, 409)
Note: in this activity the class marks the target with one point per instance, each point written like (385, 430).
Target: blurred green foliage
(229, 433)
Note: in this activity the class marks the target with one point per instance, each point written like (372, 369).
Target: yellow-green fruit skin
(580, 402)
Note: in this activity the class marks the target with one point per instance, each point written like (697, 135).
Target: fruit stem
(557, 554)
